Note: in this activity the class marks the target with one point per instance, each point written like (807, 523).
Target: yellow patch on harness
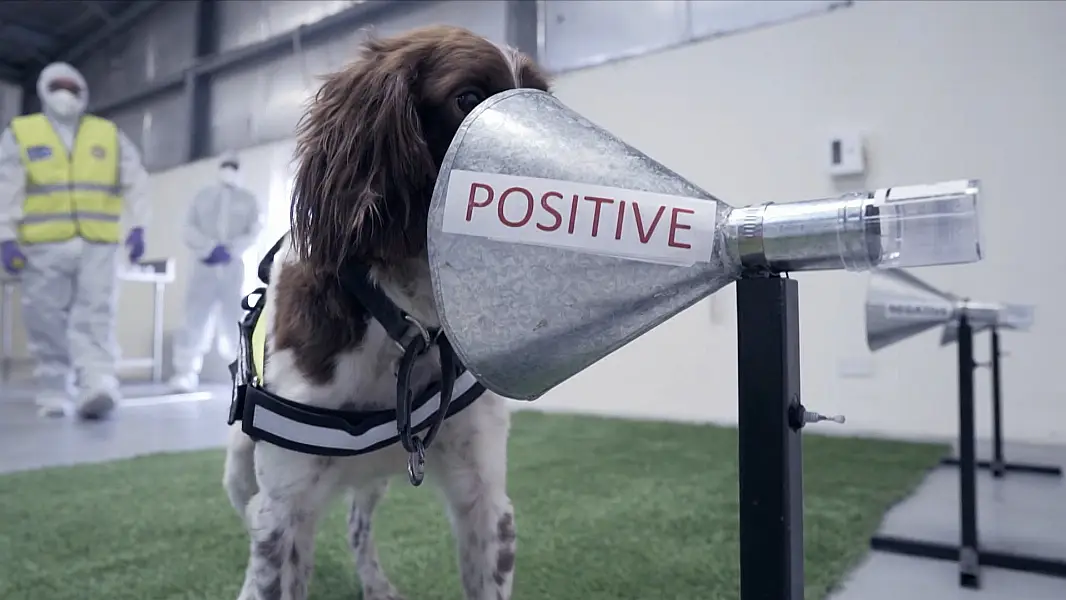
(258, 348)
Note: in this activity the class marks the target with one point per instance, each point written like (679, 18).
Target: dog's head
(370, 145)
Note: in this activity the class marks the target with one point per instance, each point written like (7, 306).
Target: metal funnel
(899, 305)
(553, 243)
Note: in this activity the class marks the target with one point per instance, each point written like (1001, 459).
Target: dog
(368, 151)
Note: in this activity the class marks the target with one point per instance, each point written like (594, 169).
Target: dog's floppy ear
(364, 165)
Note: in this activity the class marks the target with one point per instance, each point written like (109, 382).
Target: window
(575, 35)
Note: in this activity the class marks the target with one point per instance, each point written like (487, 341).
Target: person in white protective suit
(73, 194)
(223, 222)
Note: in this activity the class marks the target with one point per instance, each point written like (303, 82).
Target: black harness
(268, 417)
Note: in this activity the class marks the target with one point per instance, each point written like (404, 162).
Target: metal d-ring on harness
(414, 344)
(260, 411)
(418, 346)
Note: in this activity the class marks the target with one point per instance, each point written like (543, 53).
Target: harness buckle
(428, 338)
(416, 462)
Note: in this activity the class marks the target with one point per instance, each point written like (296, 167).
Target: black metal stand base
(969, 554)
(986, 558)
(999, 469)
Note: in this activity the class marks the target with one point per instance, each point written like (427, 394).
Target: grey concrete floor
(1020, 513)
(146, 422)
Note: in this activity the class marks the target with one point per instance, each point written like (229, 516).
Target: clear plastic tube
(1019, 317)
(887, 228)
(924, 225)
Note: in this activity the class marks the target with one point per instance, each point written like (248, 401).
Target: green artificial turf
(605, 509)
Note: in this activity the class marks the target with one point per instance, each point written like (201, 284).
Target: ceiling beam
(121, 22)
(100, 11)
(20, 35)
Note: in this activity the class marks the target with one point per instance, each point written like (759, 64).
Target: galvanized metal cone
(900, 306)
(525, 308)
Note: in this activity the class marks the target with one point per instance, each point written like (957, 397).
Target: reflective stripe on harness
(325, 432)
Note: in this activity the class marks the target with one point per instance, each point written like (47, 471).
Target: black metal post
(969, 564)
(198, 86)
(968, 553)
(30, 102)
(999, 466)
(771, 461)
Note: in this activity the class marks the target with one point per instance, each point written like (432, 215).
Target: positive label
(595, 219)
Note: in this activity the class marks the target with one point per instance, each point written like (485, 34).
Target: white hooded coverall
(221, 214)
(69, 287)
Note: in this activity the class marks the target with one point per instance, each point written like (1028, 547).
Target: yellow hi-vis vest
(69, 195)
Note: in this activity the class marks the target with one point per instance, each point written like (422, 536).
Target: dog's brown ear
(364, 166)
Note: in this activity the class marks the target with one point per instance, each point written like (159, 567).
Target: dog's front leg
(472, 474)
(364, 499)
(281, 519)
(483, 522)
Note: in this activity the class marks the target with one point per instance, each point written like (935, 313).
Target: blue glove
(135, 243)
(13, 258)
(219, 255)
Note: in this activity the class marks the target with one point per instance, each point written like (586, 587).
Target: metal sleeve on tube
(860, 234)
(745, 231)
(802, 236)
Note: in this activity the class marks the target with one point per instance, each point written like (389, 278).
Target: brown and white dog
(369, 148)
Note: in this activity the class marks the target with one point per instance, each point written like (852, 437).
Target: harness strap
(268, 261)
(356, 281)
(313, 430)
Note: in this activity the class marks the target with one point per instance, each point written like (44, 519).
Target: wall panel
(160, 46)
(579, 34)
(263, 103)
(244, 22)
(593, 32)
(158, 129)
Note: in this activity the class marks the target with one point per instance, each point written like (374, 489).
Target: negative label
(595, 219)
(899, 311)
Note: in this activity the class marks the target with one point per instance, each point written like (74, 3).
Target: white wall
(942, 90)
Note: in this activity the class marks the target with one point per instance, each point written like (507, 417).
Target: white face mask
(64, 103)
(228, 176)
